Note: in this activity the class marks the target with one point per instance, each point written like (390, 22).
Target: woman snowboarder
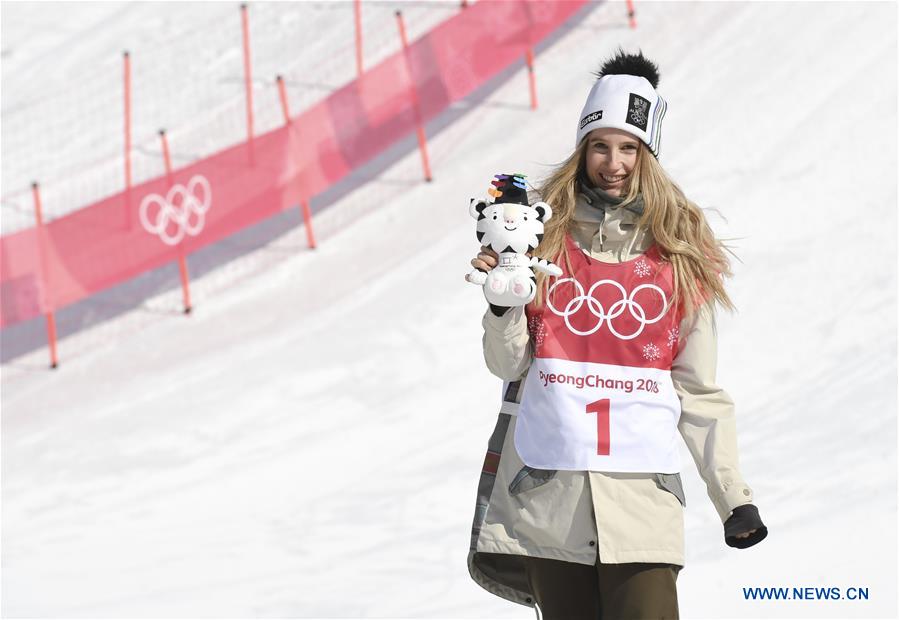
(580, 502)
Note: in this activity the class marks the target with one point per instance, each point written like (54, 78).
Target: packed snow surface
(307, 443)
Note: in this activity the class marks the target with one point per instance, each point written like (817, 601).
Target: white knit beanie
(624, 97)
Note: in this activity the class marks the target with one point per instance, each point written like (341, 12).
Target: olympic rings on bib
(596, 308)
(168, 210)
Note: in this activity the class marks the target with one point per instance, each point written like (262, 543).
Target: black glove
(743, 519)
(498, 310)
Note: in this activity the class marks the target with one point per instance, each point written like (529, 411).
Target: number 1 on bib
(601, 409)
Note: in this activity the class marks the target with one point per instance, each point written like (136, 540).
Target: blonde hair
(677, 225)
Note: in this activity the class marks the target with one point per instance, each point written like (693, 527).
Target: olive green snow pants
(633, 591)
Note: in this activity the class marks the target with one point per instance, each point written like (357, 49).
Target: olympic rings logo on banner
(178, 205)
(616, 309)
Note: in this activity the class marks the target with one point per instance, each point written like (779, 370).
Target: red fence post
(357, 12)
(182, 262)
(304, 204)
(529, 59)
(422, 141)
(42, 250)
(127, 60)
(247, 71)
(126, 57)
(282, 94)
(630, 13)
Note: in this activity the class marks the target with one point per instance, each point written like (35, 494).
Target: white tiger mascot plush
(511, 228)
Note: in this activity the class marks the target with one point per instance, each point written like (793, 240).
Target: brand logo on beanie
(637, 111)
(595, 116)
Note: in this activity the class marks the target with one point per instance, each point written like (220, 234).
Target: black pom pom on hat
(637, 64)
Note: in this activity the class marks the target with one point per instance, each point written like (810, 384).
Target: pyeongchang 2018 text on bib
(598, 417)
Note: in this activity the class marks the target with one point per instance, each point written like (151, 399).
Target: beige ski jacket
(572, 515)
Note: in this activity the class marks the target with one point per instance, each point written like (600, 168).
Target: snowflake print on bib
(673, 335)
(641, 268)
(651, 352)
(598, 395)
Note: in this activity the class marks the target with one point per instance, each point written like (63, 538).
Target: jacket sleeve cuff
(499, 310)
(729, 497)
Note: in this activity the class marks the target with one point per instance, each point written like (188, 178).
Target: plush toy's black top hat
(509, 188)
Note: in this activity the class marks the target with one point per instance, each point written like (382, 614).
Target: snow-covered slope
(308, 442)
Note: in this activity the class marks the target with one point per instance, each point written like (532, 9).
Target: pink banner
(122, 236)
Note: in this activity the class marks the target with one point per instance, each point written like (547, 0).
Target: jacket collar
(595, 202)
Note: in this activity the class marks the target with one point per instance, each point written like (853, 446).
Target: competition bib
(598, 395)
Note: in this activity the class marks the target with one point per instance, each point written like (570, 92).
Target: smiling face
(611, 157)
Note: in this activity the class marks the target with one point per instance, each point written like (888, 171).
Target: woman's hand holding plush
(484, 261)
